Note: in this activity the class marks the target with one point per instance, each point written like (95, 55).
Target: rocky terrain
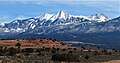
(53, 54)
(32, 43)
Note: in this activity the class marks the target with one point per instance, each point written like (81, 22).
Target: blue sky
(17, 9)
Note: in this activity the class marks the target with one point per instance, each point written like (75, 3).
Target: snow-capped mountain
(64, 26)
(60, 15)
(46, 16)
(99, 17)
(61, 19)
(62, 22)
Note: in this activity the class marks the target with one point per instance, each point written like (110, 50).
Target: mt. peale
(63, 26)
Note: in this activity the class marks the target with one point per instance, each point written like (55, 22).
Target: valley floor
(112, 61)
(54, 54)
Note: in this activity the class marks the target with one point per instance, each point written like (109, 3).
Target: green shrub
(65, 57)
(1, 52)
(64, 49)
(29, 50)
(18, 44)
(53, 51)
(86, 57)
(11, 51)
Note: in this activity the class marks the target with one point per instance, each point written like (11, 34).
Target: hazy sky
(17, 9)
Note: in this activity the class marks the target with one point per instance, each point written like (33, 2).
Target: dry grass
(112, 61)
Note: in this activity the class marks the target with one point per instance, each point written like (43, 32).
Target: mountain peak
(99, 17)
(46, 16)
(61, 11)
(60, 15)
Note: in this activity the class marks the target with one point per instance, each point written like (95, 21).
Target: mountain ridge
(60, 18)
(94, 29)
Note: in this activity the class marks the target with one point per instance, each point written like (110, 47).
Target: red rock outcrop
(33, 43)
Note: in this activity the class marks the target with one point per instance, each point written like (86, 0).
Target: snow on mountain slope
(21, 25)
(2, 25)
(59, 22)
(46, 16)
(99, 18)
(78, 28)
(60, 15)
